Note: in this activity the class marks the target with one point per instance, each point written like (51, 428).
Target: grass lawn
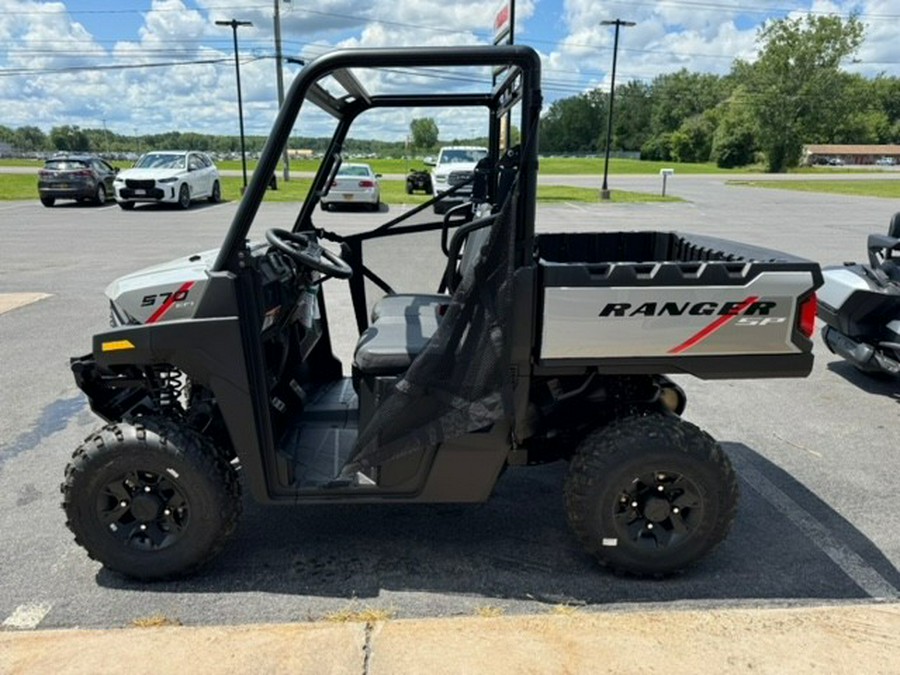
(548, 165)
(14, 186)
(889, 189)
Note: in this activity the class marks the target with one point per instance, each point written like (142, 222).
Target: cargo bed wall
(664, 302)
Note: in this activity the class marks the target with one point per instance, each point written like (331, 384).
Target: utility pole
(279, 78)
(237, 70)
(618, 23)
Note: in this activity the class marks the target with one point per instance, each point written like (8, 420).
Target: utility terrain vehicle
(860, 307)
(219, 370)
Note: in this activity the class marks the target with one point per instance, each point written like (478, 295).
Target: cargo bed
(668, 302)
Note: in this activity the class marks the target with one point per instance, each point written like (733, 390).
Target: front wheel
(150, 500)
(100, 195)
(48, 201)
(126, 206)
(650, 495)
(184, 196)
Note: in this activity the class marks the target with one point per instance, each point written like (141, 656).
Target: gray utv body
(533, 348)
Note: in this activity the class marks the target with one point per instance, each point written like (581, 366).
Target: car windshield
(354, 170)
(160, 161)
(460, 156)
(64, 164)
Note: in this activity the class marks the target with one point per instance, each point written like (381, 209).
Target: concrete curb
(840, 639)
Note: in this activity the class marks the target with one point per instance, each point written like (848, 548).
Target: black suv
(79, 177)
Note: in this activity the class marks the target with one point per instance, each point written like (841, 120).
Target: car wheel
(216, 196)
(150, 500)
(48, 201)
(409, 188)
(100, 195)
(126, 206)
(375, 207)
(184, 196)
(651, 494)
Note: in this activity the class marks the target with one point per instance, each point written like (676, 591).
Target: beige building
(851, 154)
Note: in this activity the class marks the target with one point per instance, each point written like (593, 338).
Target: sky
(140, 67)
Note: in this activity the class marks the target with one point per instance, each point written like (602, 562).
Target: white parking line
(866, 577)
(27, 617)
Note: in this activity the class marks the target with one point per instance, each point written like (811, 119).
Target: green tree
(575, 124)
(658, 148)
(631, 117)
(69, 138)
(424, 132)
(734, 141)
(693, 140)
(791, 83)
(30, 139)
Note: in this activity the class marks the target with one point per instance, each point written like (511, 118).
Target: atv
(219, 373)
(418, 179)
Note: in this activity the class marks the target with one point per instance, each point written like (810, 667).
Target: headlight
(167, 180)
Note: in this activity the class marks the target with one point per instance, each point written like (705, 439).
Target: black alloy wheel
(650, 494)
(150, 500)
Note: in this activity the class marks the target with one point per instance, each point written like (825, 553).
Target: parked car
(173, 177)
(885, 161)
(79, 177)
(353, 184)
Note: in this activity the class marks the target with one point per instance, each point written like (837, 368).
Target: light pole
(604, 191)
(279, 78)
(237, 69)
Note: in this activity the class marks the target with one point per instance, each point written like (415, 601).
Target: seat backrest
(471, 238)
(894, 227)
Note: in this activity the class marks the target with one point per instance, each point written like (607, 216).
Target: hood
(148, 174)
(168, 291)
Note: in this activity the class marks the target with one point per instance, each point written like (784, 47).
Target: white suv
(455, 164)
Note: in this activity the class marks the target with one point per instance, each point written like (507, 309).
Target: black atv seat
(469, 238)
(403, 323)
(389, 345)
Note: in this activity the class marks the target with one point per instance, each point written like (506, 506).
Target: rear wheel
(150, 500)
(184, 196)
(216, 195)
(48, 201)
(650, 495)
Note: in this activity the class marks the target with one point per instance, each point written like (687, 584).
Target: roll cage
(516, 75)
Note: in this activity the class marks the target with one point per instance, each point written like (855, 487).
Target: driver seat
(403, 323)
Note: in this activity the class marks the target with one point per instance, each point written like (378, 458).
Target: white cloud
(39, 41)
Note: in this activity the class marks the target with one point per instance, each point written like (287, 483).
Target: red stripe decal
(167, 305)
(713, 327)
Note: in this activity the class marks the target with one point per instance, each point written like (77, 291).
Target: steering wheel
(297, 246)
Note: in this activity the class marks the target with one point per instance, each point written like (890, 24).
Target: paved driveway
(817, 458)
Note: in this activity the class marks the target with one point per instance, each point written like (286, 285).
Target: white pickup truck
(455, 164)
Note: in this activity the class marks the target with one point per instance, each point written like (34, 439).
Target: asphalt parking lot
(817, 458)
